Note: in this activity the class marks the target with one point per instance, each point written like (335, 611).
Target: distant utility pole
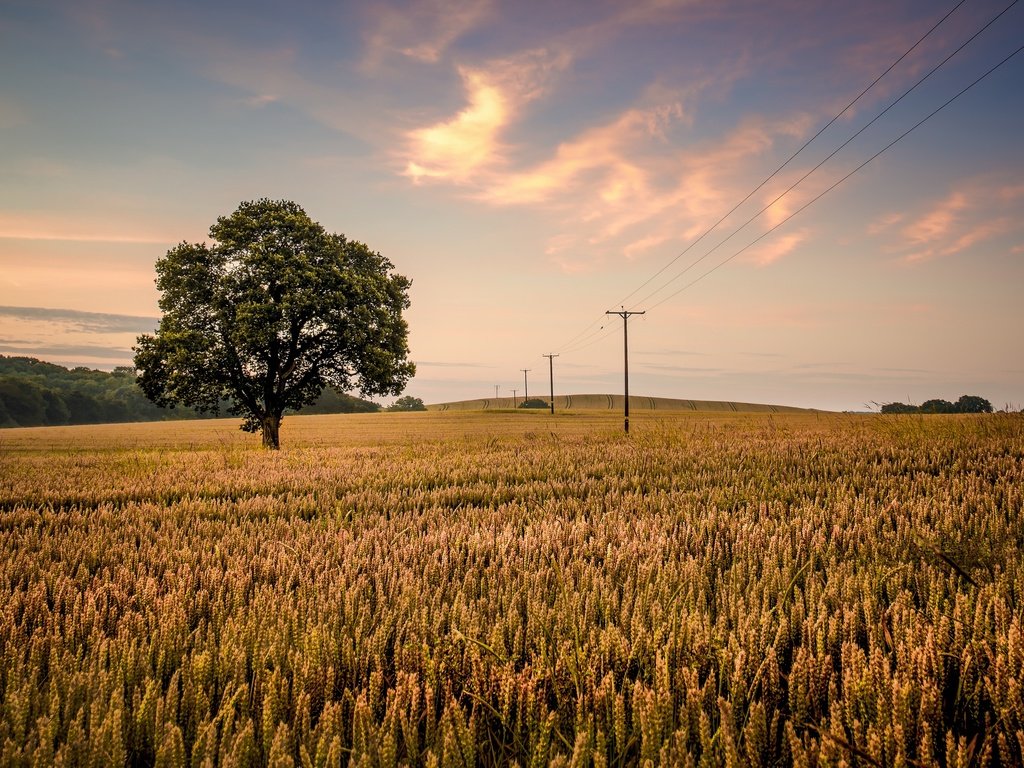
(526, 384)
(495, 391)
(514, 397)
(551, 372)
(625, 315)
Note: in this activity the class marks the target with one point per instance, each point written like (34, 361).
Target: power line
(585, 341)
(836, 151)
(793, 156)
(608, 331)
(844, 178)
(775, 172)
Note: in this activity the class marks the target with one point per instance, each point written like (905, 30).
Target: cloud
(461, 148)
(936, 224)
(599, 157)
(679, 368)
(671, 352)
(644, 244)
(977, 211)
(455, 148)
(422, 31)
(776, 247)
(442, 364)
(89, 322)
(64, 351)
(921, 371)
(77, 228)
(885, 222)
(260, 100)
(621, 186)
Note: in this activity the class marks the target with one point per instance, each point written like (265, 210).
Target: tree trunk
(272, 431)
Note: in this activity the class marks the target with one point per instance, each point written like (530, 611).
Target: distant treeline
(966, 404)
(34, 393)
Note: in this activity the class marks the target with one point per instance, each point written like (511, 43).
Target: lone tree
(269, 314)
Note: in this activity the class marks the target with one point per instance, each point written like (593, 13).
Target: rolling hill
(614, 403)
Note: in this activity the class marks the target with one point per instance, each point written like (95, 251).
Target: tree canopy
(34, 393)
(407, 403)
(966, 404)
(271, 313)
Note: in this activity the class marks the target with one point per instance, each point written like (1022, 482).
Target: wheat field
(459, 589)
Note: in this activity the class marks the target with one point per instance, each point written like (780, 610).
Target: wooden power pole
(625, 315)
(551, 373)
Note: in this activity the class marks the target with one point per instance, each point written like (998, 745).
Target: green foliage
(407, 403)
(35, 393)
(966, 404)
(533, 402)
(899, 408)
(973, 404)
(271, 314)
(39, 394)
(332, 401)
(937, 406)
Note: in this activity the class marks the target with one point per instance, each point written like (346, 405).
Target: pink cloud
(937, 223)
(775, 248)
(644, 244)
(975, 212)
(36, 226)
(422, 30)
(884, 223)
(456, 148)
(469, 145)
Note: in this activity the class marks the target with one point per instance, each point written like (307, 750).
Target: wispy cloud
(974, 212)
(64, 351)
(885, 223)
(456, 148)
(777, 247)
(89, 322)
(470, 144)
(679, 368)
(421, 30)
(260, 100)
(446, 364)
(69, 227)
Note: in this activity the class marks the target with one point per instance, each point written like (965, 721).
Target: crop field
(465, 588)
(615, 402)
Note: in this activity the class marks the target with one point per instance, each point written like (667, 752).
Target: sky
(532, 165)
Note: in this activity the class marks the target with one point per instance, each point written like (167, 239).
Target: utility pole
(526, 384)
(514, 397)
(495, 391)
(625, 315)
(551, 372)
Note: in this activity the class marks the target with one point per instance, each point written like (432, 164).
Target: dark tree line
(34, 393)
(966, 404)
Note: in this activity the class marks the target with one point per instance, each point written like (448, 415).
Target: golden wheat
(464, 589)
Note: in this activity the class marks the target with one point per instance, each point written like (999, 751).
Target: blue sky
(529, 165)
